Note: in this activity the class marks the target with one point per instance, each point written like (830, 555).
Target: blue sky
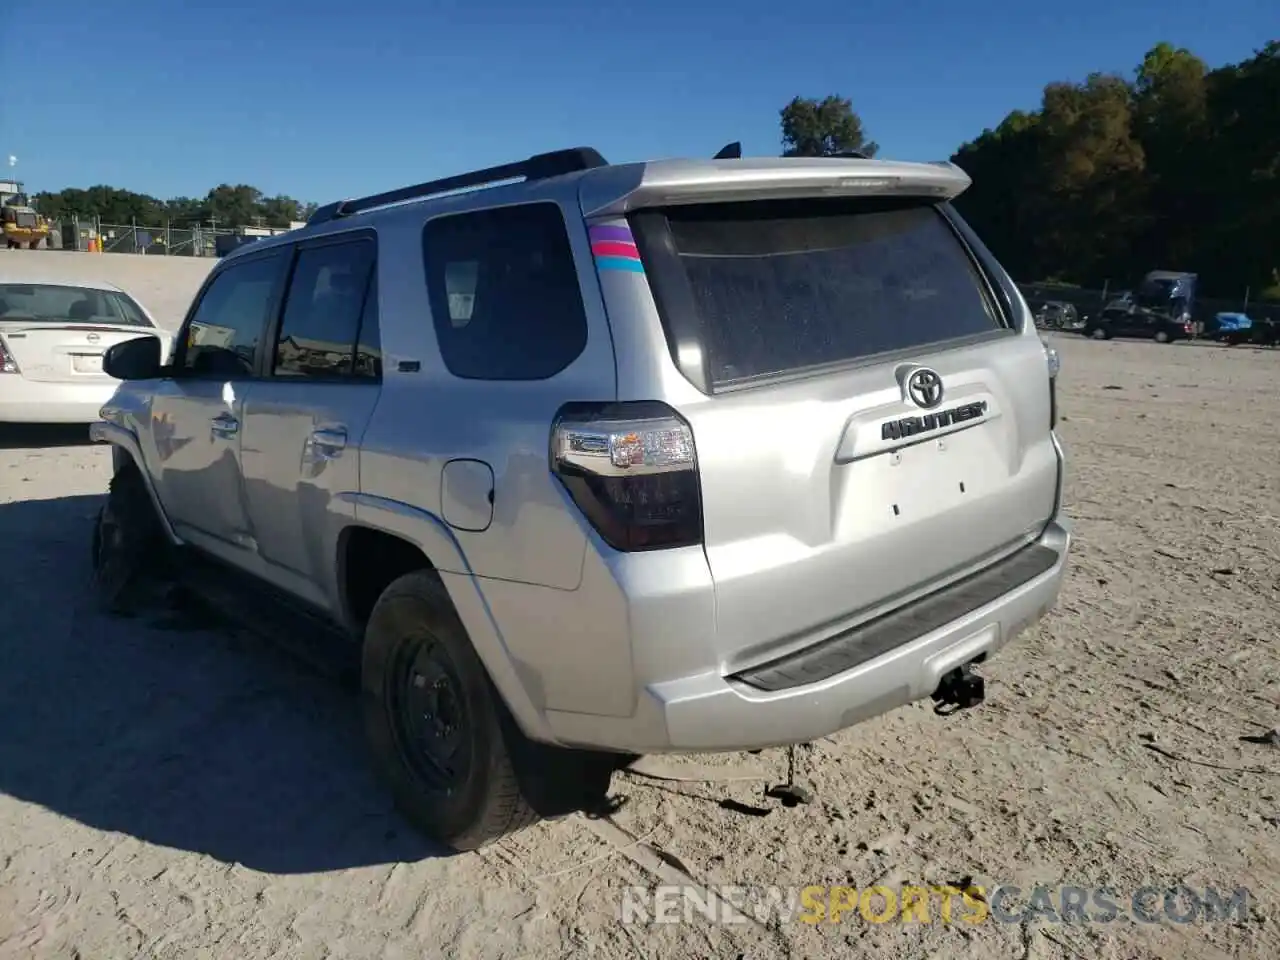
(320, 99)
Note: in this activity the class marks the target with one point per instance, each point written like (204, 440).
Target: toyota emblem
(93, 338)
(925, 388)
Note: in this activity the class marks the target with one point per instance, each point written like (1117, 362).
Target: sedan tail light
(7, 363)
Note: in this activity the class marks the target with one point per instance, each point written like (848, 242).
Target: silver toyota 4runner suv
(588, 461)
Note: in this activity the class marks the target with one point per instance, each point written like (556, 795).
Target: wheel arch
(397, 527)
(125, 453)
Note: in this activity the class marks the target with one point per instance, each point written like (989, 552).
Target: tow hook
(958, 690)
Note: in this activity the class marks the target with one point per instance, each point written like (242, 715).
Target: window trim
(683, 326)
(267, 367)
(177, 370)
(562, 215)
(370, 288)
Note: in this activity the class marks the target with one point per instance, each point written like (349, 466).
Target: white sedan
(52, 338)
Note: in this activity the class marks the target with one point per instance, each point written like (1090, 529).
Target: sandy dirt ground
(164, 285)
(175, 792)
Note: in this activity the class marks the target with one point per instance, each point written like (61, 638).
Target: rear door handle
(224, 426)
(328, 444)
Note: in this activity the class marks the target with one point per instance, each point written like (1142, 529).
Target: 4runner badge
(914, 426)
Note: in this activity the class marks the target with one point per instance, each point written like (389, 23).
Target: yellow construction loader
(22, 226)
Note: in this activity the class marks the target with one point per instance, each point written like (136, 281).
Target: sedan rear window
(57, 303)
(787, 286)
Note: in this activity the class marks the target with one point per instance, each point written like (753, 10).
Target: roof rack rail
(538, 167)
(730, 151)
(850, 155)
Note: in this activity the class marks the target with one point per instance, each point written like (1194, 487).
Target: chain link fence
(170, 240)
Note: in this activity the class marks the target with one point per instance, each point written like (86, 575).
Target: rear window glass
(780, 287)
(54, 303)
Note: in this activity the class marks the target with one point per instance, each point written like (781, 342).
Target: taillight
(632, 470)
(7, 363)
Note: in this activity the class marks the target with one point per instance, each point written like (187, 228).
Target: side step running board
(285, 624)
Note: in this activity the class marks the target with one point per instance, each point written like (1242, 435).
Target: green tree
(821, 128)
(1170, 91)
(112, 205)
(240, 205)
(1240, 234)
(224, 205)
(1170, 120)
(1178, 168)
(1093, 174)
(1006, 202)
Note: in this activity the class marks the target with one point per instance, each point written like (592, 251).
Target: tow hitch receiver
(959, 689)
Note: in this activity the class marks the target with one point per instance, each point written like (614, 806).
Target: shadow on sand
(196, 739)
(15, 436)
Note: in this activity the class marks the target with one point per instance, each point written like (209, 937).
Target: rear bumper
(772, 705)
(33, 401)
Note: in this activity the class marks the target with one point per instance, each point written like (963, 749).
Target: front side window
(223, 335)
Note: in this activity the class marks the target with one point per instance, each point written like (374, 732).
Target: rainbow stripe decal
(615, 249)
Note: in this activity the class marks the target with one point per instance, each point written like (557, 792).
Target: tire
(127, 546)
(1099, 333)
(424, 689)
(1163, 337)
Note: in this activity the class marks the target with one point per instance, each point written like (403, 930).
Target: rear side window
(222, 338)
(782, 287)
(504, 292)
(323, 310)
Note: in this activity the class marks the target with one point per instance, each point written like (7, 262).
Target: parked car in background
(1228, 326)
(1056, 315)
(52, 339)
(1120, 322)
(1123, 300)
(1257, 333)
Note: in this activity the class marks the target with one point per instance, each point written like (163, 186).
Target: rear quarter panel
(427, 417)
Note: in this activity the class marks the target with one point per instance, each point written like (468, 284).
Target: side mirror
(136, 359)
